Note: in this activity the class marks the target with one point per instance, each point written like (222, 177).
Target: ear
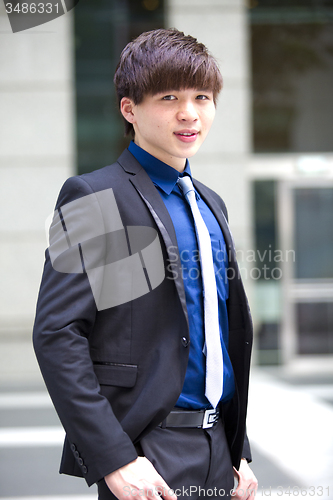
(126, 109)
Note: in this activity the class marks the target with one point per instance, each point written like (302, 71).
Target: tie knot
(185, 184)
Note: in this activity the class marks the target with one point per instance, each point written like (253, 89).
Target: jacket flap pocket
(116, 374)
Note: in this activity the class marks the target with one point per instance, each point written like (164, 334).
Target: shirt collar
(162, 175)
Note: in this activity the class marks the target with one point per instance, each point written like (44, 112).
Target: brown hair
(162, 60)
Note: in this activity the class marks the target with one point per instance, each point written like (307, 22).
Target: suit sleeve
(246, 453)
(65, 316)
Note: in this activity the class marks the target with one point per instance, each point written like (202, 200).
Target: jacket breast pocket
(117, 374)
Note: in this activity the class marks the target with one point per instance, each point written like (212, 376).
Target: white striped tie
(214, 358)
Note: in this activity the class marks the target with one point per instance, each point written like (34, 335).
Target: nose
(187, 111)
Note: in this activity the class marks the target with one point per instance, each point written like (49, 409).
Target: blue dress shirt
(165, 179)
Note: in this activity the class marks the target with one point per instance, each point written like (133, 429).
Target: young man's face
(171, 126)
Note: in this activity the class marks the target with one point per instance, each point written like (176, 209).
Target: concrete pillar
(36, 156)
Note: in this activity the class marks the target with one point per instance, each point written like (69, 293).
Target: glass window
(265, 229)
(313, 233)
(315, 328)
(266, 273)
(292, 75)
(102, 29)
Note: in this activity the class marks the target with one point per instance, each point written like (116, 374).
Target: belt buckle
(210, 418)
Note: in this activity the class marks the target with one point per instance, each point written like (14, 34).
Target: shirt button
(185, 342)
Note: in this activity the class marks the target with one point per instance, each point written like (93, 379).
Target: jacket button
(185, 341)
(73, 447)
(76, 454)
(80, 461)
(84, 469)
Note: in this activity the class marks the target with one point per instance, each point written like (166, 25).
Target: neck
(178, 164)
(180, 167)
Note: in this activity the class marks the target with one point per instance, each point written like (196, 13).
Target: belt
(191, 418)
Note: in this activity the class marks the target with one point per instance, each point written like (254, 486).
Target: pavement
(290, 425)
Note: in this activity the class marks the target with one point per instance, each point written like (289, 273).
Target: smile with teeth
(187, 136)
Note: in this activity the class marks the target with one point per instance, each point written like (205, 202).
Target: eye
(168, 98)
(203, 97)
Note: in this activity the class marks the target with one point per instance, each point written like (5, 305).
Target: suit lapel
(221, 219)
(152, 199)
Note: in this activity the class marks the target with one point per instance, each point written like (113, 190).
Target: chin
(192, 152)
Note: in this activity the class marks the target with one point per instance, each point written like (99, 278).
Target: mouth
(187, 135)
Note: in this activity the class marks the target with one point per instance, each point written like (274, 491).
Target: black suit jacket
(115, 374)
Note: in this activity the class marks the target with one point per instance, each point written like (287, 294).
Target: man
(142, 330)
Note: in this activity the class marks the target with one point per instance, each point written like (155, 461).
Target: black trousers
(195, 463)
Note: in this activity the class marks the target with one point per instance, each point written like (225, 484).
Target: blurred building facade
(291, 172)
(269, 153)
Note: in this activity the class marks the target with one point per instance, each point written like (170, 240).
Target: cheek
(158, 126)
(209, 120)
